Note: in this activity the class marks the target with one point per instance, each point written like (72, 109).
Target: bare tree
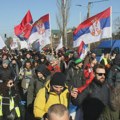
(62, 18)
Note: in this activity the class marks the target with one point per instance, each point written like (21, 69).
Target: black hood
(43, 69)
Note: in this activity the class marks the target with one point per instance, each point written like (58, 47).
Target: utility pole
(88, 15)
(89, 6)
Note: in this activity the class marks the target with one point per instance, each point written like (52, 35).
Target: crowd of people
(52, 85)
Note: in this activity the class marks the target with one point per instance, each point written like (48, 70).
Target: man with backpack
(54, 92)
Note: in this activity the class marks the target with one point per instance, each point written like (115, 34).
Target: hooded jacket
(74, 77)
(41, 105)
(6, 74)
(37, 83)
(113, 77)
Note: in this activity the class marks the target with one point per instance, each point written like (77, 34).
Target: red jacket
(87, 71)
(89, 75)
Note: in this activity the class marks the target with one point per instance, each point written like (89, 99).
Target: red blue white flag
(93, 29)
(41, 31)
(23, 30)
(82, 50)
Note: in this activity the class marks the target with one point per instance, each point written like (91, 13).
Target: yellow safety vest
(1, 114)
(105, 61)
(12, 105)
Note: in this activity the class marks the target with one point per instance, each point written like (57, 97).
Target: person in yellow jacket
(55, 92)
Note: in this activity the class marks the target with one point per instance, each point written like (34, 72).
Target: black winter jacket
(6, 74)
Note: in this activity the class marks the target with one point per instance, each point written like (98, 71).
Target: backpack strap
(46, 94)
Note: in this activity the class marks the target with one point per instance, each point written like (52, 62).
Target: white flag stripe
(88, 38)
(60, 45)
(2, 43)
(23, 44)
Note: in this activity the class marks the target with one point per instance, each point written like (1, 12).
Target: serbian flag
(41, 31)
(23, 30)
(93, 29)
(82, 50)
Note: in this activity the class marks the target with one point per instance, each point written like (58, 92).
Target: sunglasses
(100, 74)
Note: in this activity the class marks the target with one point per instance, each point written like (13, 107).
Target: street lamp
(89, 6)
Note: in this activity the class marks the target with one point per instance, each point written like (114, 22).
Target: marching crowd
(59, 86)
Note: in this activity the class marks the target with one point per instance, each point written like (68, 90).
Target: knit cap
(43, 69)
(58, 79)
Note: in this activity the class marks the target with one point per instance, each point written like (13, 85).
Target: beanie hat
(79, 60)
(58, 79)
(43, 69)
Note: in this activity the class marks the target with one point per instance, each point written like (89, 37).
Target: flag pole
(88, 15)
(111, 23)
(51, 43)
(51, 35)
